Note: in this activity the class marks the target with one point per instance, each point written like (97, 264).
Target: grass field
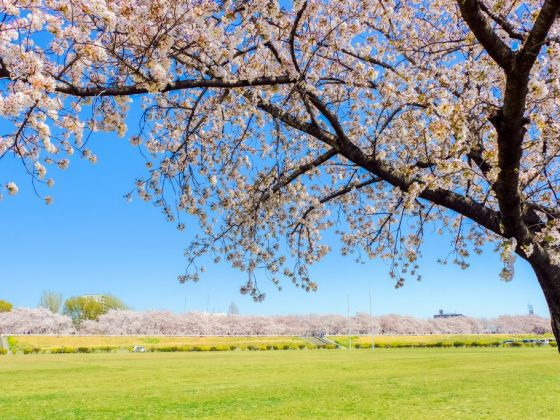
(381, 340)
(403, 383)
(46, 343)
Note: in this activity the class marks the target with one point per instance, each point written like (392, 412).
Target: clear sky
(90, 240)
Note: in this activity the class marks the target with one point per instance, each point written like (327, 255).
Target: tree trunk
(549, 279)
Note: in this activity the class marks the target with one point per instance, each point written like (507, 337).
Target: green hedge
(232, 347)
(445, 344)
(65, 350)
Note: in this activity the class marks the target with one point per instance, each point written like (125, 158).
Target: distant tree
(5, 306)
(113, 302)
(51, 300)
(233, 309)
(81, 308)
(34, 321)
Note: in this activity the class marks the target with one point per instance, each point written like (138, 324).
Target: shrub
(219, 348)
(106, 349)
(84, 350)
(60, 350)
(252, 347)
(12, 342)
(553, 343)
(201, 348)
(3, 351)
(458, 344)
(31, 350)
(301, 346)
(168, 349)
(233, 347)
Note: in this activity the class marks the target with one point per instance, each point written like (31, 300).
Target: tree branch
(537, 37)
(303, 169)
(503, 22)
(482, 215)
(177, 85)
(480, 27)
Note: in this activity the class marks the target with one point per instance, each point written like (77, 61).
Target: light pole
(349, 329)
(371, 318)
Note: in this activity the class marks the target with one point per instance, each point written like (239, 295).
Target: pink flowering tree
(269, 125)
(126, 322)
(34, 321)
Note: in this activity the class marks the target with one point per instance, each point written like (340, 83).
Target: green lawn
(392, 340)
(387, 383)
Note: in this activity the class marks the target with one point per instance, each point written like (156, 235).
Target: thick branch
(177, 85)
(339, 193)
(537, 37)
(303, 169)
(293, 32)
(481, 28)
(503, 22)
(482, 215)
(510, 125)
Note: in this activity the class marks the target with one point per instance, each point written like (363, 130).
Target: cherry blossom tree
(34, 321)
(126, 322)
(384, 121)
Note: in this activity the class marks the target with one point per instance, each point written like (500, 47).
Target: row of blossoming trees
(124, 322)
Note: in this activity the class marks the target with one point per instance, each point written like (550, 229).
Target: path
(4, 343)
(320, 341)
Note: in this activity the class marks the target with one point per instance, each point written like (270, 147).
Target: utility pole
(371, 318)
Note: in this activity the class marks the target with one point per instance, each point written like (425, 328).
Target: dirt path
(4, 343)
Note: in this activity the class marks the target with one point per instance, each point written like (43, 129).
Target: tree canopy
(51, 300)
(81, 308)
(5, 306)
(385, 121)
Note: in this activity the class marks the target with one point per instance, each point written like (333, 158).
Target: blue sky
(90, 240)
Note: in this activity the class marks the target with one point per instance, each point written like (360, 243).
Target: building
(441, 314)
